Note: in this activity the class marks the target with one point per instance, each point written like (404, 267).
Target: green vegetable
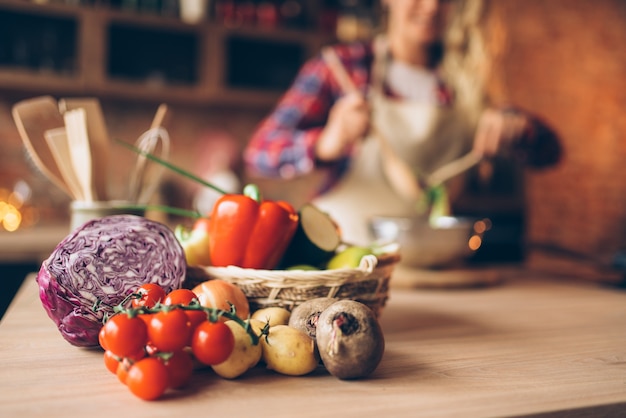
(315, 241)
(435, 202)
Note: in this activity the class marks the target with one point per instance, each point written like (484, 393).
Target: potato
(350, 340)
(273, 315)
(289, 351)
(304, 316)
(245, 355)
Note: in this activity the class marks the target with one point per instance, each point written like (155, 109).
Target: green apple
(348, 258)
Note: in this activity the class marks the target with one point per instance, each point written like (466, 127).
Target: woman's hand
(348, 122)
(496, 127)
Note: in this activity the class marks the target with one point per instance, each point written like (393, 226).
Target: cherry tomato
(179, 368)
(169, 330)
(101, 338)
(122, 371)
(185, 297)
(212, 342)
(151, 294)
(148, 378)
(179, 297)
(195, 319)
(125, 336)
(145, 318)
(111, 361)
(220, 294)
(138, 355)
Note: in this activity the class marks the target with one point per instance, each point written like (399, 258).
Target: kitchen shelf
(126, 55)
(282, 60)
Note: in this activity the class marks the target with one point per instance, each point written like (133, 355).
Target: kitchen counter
(529, 345)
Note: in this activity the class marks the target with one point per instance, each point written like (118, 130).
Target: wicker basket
(369, 283)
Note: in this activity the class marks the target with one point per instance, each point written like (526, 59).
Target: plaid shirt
(283, 144)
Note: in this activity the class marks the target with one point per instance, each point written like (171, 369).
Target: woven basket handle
(368, 263)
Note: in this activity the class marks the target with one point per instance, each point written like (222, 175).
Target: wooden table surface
(527, 346)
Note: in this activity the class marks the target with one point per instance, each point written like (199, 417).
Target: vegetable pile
(96, 266)
(118, 283)
(157, 343)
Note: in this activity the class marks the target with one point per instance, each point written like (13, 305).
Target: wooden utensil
(99, 141)
(401, 177)
(151, 171)
(78, 139)
(453, 168)
(33, 117)
(148, 144)
(57, 141)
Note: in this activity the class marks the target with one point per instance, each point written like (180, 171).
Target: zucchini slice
(315, 241)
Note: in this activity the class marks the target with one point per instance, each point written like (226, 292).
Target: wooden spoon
(78, 139)
(33, 117)
(453, 168)
(400, 175)
(57, 141)
(99, 141)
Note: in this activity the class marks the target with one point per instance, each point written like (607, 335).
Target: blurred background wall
(566, 61)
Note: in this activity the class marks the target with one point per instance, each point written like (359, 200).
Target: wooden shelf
(205, 73)
(33, 81)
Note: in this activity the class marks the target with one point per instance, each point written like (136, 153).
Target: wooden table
(528, 346)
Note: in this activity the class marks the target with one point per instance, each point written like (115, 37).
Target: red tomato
(169, 330)
(138, 355)
(151, 294)
(212, 342)
(145, 318)
(122, 371)
(101, 339)
(220, 294)
(179, 368)
(179, 297)
(125, 336)
(195, 319)
(185, 297)
(148, 378)
(111, 361)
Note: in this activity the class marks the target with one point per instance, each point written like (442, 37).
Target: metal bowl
(424, 243)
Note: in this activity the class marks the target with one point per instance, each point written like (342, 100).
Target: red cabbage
(99, 264)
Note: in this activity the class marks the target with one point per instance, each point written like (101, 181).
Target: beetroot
(350, 339)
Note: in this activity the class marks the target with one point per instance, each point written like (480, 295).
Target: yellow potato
(274, 315)
(289, 351)
(245, 355)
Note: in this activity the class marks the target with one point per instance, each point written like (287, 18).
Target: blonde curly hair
(467, 62)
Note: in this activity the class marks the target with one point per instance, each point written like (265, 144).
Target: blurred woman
(414, 92)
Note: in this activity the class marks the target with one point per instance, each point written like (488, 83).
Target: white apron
(424, 135)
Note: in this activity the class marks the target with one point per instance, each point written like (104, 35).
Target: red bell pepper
(249, 232)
